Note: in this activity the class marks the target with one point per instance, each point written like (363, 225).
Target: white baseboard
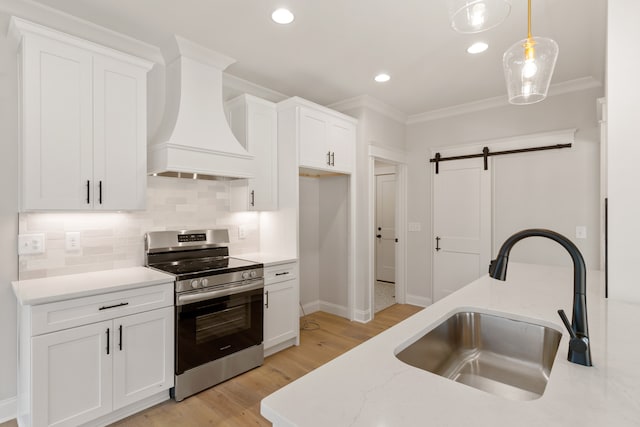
(310, 307)
(418, 300)
(362, 316)
(327, 307)
(8, 409)
(338, 310)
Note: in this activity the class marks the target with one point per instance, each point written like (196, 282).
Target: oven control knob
(245, 274)
(253, 273)
(194, 283)
(204, 282)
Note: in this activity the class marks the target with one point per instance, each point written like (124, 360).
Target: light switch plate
(72, 241)
(414, 226)
(29, 244)
(242, 232)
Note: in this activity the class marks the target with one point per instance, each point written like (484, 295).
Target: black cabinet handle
(107, 307)
(100, 192)
(266, 299)
(333, 158)
(120, 332)
(253, 197)
(329, 158)
(438, 244)
(88, 183)
(282, 274)
(108, 341)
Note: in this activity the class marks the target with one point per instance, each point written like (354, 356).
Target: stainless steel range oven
(219, 306)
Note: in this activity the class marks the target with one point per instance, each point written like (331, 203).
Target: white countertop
(269, 260)
(57, 288)
(369, 386)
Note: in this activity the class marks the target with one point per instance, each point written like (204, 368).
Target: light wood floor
(236, 402)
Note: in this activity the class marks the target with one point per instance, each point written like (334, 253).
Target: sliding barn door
(461, 224)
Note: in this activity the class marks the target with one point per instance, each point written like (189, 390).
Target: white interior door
(461, 224)
(385, 228)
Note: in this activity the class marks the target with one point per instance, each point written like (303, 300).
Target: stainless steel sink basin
(504, 357)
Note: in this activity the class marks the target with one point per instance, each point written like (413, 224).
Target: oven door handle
(205, 295)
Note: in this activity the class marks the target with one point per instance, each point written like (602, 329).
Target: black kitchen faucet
(579, 349)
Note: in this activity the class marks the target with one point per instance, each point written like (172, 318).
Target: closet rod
(486, 154)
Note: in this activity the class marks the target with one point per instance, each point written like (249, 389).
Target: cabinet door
(72, 375)
(56, 126)
(143, 355)
(254, 122)
(280, 313)
(341, 142)
(262, 143)
(120, 134)
(313, 127)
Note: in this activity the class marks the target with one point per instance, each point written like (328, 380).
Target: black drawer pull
(282, 274)
(107, 307)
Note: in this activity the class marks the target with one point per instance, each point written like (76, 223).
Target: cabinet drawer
(280, 273)
(81, 311)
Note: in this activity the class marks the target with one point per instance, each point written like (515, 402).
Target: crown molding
(583, 83)
(367, 101)
(57, 20)
(244, 86)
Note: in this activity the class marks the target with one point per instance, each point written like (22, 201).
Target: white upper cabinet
(326, 138)
(83, 123)
(254, 123)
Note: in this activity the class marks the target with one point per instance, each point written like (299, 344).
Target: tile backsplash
(115, 239)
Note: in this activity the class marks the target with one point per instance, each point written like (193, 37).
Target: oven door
(211, 324)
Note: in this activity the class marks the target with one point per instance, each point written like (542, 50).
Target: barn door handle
(438, 244)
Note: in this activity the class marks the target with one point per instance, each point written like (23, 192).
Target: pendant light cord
(529, 21)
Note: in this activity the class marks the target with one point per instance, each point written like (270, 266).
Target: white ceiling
(333, 49)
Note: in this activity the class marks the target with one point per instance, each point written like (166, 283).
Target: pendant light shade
(528, 67)
(474, 16)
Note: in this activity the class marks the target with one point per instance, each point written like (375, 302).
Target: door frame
(379, 172)
(399, 160)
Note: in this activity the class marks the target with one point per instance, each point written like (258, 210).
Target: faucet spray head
(498, 267)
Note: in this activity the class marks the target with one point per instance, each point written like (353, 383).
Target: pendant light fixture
(473, 16)
(528, 67)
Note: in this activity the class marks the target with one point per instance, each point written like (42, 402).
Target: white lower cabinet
(142, 356)
(86, 372)
(281, 315)
(72, 375)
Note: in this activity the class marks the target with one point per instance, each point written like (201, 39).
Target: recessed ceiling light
(477, 47)
(282, 16)
(382, 77)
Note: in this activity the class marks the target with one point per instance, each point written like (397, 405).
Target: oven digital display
(196, 237)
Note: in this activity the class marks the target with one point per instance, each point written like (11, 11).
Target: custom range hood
(194, 139)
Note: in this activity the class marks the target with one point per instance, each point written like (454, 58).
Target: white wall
(383, 131)
(623, 89)
(571, 178)
(323, 243)
(309, 243)
(333, 233)
(8, 219)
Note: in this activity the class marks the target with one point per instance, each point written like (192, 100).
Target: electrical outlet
(413, 226)
(72, 241)
(242, 232)
(30, 244)
(581, 232)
